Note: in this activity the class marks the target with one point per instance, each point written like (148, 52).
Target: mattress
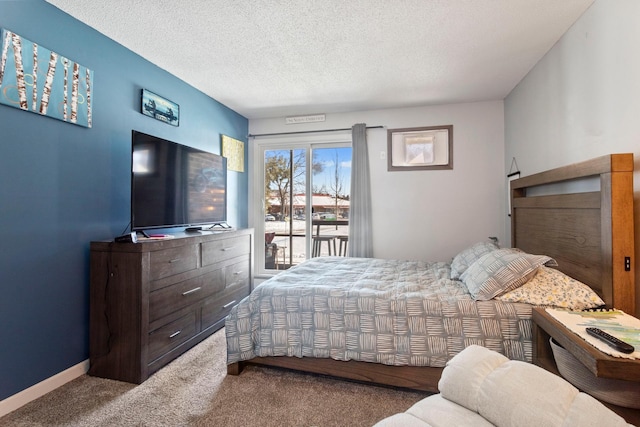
(373, 310)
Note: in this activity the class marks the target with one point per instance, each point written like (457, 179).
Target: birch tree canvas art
(36, 79)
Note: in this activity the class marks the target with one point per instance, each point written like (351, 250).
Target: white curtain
(360, 229)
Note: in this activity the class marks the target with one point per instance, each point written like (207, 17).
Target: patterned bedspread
(373, 310)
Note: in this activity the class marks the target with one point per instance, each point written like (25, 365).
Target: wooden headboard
(591, 233)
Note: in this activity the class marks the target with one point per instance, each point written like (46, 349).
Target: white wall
(429, 215)
(582, 100)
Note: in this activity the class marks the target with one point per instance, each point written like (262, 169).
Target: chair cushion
(461, 379)
(586, 411)
(520, 394)
(514, 393)
(480, 387)
(437, 411)
(402, 420)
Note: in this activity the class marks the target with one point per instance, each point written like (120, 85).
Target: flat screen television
(175, 185)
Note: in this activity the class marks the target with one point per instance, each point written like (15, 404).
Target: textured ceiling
(274, 58)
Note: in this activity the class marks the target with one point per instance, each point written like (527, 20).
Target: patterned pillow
(554, 288)
(464, 259)
(501, 271)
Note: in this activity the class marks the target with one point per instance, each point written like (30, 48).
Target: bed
(397, 323)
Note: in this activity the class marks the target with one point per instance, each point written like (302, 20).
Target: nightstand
(599, 364)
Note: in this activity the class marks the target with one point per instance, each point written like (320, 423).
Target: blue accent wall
(63, 185)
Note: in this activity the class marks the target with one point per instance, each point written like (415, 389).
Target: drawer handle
(175, 334)
(229, 304)
(171, 261)
(184, 294)
(237, 273)
(228, 249)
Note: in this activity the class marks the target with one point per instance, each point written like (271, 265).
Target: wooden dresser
(153, 300)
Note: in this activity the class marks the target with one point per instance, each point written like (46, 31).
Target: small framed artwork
(233, 150)
(422, 148)
(160, 108)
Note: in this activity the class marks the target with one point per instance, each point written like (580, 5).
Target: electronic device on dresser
(174, 185)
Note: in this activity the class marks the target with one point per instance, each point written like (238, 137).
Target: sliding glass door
(285, 189)
(304, 193)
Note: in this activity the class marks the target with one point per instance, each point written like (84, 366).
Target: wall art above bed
(36, 79)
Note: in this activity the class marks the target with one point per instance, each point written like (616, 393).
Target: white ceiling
(274, 58)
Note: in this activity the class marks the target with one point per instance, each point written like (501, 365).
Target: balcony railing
(288, 247)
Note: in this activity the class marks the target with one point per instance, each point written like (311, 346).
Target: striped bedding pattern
(383, 311)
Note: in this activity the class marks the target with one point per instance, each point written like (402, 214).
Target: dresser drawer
(218, 307)
(168, 262)
(174, 297)
(171, 335)
(224, 249)
(237, 274)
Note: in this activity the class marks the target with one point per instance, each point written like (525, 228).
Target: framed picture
(233, 150)
(34, 78)
(421, 148)
(160, 108)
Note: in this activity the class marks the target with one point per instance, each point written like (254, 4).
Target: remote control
(611, 340)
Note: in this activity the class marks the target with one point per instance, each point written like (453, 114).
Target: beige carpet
(194, 390)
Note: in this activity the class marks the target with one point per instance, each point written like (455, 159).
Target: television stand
(153, 300)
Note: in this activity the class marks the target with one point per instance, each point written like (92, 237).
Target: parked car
(328, 216)
(269, 217)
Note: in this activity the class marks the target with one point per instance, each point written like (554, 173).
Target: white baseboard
(14, 402)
